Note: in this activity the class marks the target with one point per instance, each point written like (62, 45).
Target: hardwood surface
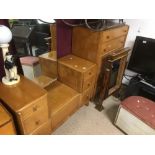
(28, 102)
(6, 122)
(88, 44)
(48, 63)
(96, 46)
(54, 37)
(44, 129)
(44, 81)
(85, 96)
(62, 102)
(76, 72)
(21, 95)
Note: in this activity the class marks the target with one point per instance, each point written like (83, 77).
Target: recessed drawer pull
(87, 97)
(108, 37)
(90, 73)
(125, 30)
(88, 84)
(37, 122)
(35, 108)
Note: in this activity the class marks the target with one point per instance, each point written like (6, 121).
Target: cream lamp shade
(5, 35)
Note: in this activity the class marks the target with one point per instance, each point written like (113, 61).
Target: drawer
(114, 33)
(89, 73)
(70, 77)
(62, 114)
(44, 129)
(85, 96)
(7, 129)
(35, 120)
(36, 106)
(88, 83)
(112, 45)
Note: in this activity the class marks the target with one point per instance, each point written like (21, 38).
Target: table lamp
(9, 64)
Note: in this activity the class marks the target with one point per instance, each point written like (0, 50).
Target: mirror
(35, 42)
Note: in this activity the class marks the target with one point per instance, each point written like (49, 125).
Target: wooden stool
(31, 66)
(136, 115)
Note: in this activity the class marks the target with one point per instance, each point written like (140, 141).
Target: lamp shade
(5, 35)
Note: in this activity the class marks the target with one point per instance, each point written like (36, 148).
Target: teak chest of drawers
(90, 45)
(76, 72)
(96, 46)
(6, 122)
(28, 103)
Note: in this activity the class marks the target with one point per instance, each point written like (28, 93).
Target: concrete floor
(89, 121)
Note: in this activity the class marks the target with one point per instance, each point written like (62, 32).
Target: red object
(29, 60)
(142, 108)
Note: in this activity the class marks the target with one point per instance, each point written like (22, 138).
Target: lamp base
(7, 82)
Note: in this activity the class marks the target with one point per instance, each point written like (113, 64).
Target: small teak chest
(76, 72)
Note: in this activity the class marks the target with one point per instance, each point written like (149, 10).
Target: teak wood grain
(6, 122)
(48, 63)
(74, 72)
(62, 102)
(88, 44)
(28, 103)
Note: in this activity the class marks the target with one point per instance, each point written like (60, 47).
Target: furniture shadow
(111, 112)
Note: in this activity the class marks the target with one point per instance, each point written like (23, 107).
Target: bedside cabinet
(6, 122)
(28, 104)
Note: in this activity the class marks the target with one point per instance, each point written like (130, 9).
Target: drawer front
(112, 45)
(36, 120)
(60, 116)
(88, 83)
(7, 129)
(36, 106)
(90, 73)
(44, 129)
(70, 77)
(114, 33)
(85, 97)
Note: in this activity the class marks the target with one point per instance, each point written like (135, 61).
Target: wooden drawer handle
(88, 84)
(125, 30)
(108, 37)
(90, 73)
(35, 108)
(37, 122)
(87, 97)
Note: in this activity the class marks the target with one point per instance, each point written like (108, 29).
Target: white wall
(139, 27)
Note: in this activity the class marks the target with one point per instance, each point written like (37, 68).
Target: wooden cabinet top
(4, 116)
(52, 55)
(22, 94)
(58, 95)
(77, 63)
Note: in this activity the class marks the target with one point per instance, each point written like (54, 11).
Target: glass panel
(114, 73)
